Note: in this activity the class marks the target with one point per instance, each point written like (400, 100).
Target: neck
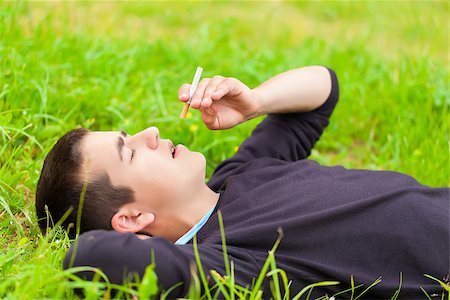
(176, 221)
(201, 204)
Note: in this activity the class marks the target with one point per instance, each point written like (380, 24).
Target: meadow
(118, 65)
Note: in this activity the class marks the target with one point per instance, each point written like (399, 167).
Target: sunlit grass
(110, 65)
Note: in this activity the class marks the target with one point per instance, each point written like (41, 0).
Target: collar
(190, 234)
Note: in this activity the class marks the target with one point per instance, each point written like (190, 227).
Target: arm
(284, 135)
(298, 90)
(299, 103)
(122, 257)
(227, 102)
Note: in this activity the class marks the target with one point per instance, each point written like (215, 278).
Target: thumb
(210, 118)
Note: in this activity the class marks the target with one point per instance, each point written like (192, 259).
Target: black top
(336, 222)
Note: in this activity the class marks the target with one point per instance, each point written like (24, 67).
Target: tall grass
(111, 65)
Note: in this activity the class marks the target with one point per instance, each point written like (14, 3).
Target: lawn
(113, 65)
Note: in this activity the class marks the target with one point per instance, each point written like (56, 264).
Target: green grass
(112, 65)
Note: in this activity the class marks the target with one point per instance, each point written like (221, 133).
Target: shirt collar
(190, 234)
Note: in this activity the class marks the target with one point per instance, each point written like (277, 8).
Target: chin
(201, 160)
(199, 165)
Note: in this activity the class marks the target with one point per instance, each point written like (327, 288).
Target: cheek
(147, 173)
(151, 186)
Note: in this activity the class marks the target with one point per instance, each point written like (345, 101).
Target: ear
(131, 220)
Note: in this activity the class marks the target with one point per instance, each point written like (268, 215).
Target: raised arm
(295, 122)
(227, 102)
(298, 90)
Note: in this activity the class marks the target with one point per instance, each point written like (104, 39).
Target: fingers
(202, 96)
(197, 97)
(183, 92)
(224, 88)
(209, 117)
(208, 90)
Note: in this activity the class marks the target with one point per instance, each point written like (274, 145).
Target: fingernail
(183, 95)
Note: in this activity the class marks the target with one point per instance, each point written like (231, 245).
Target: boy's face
(145, 163)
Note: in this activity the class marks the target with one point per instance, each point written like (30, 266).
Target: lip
(178, 150)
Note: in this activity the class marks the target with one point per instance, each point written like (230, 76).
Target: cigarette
(197, 75)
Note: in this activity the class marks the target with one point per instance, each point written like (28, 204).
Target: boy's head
(130, 180)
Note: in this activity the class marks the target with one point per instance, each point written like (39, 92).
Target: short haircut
(60, 187)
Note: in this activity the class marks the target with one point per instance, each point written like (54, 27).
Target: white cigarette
(194, 84)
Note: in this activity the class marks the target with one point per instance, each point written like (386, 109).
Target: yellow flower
(236, 148)
(188, 115)
(193, 128)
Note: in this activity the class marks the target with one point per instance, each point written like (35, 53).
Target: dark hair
(60, 187)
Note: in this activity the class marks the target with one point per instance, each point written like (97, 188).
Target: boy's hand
(223, 102)
(142, 236)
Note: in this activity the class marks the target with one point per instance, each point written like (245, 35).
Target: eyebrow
(120, 144)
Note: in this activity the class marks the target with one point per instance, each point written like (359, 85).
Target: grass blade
(443, 284)
(200, 270)
(262, 274)
(313, 285)
(377, 281)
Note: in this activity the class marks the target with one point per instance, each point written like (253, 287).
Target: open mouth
(172, 149)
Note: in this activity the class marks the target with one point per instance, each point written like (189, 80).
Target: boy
(336, 222)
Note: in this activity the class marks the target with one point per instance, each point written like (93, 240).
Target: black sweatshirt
(336, 222)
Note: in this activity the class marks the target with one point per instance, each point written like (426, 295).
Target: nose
(149, 137)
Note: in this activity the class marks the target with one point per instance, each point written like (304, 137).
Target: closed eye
(133, 153)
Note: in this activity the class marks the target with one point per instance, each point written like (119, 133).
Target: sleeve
(123, 256)
(289, 136)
